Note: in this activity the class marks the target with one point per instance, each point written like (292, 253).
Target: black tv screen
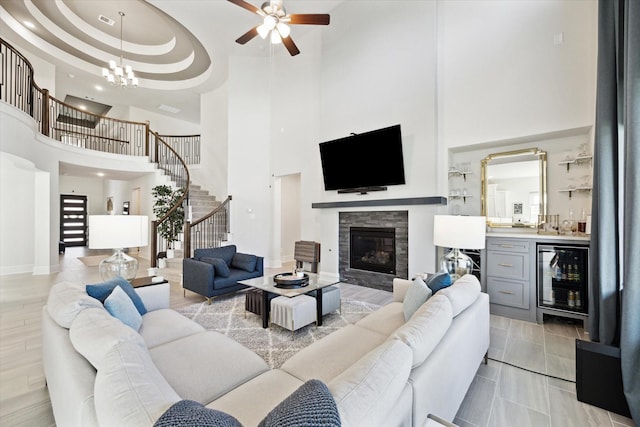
(360, 161)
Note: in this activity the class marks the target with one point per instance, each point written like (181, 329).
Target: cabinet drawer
(508, 292)
(511, 266)
(510, 245)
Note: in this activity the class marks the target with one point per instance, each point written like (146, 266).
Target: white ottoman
(331, 300)
(293, 313)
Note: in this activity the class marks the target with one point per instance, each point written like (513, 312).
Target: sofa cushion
(272, 387)
(101, 291)
(331, 355)
(165, 325)
(311, 405)
(462, 293)
(417, 294)
(369, 389)
(221, 268)
(120, 306)
(244, 262)
(94, 331)
(385, 320)
(188, 413)
(425, 329)
(224, 252)
(129, 390)
(204, 366)
(66, 300)
(439, 281)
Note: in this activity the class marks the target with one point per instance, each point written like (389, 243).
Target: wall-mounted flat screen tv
(363, 162)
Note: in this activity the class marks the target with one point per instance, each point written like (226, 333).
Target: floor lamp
(458, 232)
(118, 232)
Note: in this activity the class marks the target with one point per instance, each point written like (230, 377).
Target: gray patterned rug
(226, 315)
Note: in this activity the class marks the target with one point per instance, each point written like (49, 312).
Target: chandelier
(120, 74)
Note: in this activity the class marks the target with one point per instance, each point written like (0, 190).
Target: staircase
(201, 203)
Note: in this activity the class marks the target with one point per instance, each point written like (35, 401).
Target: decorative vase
(170, 253)
(162, 263)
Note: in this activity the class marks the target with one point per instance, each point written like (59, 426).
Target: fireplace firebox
(373, 249)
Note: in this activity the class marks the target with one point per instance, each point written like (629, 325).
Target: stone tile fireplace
(373, 247)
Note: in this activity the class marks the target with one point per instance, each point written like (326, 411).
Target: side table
(155, 295)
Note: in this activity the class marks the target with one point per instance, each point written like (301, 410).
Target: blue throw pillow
(120, 306)
(439, 281)
(187, 413)
(311, 405)
(221, 268)
(417, 294)
(244, 262)
(101, 291)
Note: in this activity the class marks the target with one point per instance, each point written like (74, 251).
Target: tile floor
(505, 395)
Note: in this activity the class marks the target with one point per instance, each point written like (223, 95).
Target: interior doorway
(287, 215)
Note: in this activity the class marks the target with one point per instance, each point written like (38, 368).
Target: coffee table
(267, 285)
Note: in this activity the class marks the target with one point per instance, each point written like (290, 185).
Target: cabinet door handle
(506, 292)
(505, 265)
(506, 246)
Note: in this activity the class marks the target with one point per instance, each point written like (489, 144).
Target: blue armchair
(216, 271)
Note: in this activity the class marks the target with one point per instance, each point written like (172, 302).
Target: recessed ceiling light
(82, 107)
(168, 108)
(71, 76)
(100, 174)
(99, 88)
(29, 24)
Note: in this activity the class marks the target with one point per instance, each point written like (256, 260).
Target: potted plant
(165, 198)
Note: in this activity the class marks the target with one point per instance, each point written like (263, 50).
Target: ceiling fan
(275, 20)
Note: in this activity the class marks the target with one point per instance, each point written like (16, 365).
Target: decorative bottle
(571, 300)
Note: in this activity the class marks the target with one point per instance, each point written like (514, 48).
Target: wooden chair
(306, 251)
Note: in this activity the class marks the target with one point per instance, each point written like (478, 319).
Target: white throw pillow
(66, 300)
(121, 307)
(417, 294)
(462, 293)
(94, 332)
(425, 329)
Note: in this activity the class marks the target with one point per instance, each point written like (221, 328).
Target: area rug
(92, 261)
(274, 344)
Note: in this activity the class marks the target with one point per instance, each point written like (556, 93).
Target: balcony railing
(82, 129)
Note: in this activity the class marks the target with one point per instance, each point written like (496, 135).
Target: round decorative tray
(290, 280)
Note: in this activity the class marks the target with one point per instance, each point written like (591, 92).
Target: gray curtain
(614, 307)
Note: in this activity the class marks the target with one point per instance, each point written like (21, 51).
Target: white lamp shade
(460, 232)
(118, 231)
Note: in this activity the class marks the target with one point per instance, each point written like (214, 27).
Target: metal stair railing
(209, 231)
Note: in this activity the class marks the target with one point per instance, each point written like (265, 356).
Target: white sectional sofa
(382, 370)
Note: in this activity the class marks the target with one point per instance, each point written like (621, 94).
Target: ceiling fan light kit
(274, 23)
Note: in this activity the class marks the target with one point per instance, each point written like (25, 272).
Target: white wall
(93, 188)
(163, 124)
(212, 173)
(501, 74)
(379, 69)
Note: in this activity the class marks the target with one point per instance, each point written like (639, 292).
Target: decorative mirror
(514, 188)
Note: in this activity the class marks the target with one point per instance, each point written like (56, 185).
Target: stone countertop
(539, 237)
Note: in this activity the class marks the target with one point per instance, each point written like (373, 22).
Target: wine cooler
(563, 281)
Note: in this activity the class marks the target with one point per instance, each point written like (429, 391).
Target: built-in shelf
(571, 190)
(578, 160)
(463, 197)
(435, 200)
(456, 172)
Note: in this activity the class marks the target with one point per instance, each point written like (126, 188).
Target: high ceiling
(178, 48)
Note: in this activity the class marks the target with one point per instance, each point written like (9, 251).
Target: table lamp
(118, 232)
(458, 232)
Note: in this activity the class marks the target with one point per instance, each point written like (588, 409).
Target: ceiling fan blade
(290, 45)
(247, 36)
(246, 5)
(309, 18)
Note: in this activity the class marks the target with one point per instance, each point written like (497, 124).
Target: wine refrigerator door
(563, 275)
